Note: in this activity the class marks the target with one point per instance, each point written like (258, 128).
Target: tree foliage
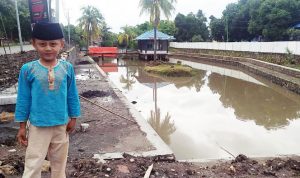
(8, 15)
(91, 22)
(217, 29)
(168, 27)
(108, 38)
(192, 25)
(246, 20)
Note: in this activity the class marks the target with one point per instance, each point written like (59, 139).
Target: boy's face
(48, 49)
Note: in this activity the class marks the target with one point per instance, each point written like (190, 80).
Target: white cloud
(118, 13)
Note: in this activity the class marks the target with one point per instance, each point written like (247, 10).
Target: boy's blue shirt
(42, 106)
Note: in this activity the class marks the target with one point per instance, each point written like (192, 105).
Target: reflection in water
(129, 80)
(219, 106)
(196, 81)
(254, 102)
(163, 128)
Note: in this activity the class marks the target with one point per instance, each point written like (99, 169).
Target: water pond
(219, 110)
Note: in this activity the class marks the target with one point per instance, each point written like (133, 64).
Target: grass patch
(171, 70)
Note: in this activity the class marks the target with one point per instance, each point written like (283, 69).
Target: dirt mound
(10, 67)
(166, 166)
(13, 164)
(8, 136)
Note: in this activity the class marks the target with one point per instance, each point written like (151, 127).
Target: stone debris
(232, 169)
(12, 150)
(46, 166)
(123, 169)
(7, 170)
(84, 127)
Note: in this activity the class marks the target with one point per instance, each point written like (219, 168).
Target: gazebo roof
(149, 35)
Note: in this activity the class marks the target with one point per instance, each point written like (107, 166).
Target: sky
(118, 13)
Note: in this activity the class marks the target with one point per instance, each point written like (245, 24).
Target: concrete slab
(160, 148)
(5, 100)
(9, 95)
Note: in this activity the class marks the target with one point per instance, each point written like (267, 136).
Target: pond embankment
(286, 77)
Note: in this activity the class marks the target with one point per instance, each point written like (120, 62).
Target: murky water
(218, 109)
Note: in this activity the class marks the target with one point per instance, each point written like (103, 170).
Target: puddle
(94, 93)
(86, 74)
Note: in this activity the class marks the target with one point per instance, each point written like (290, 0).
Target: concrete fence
(263, 47)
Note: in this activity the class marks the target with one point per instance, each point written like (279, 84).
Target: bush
(171, 70)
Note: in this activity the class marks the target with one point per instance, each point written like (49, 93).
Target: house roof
(149, 35)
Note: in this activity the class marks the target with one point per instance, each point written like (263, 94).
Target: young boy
(48, 98)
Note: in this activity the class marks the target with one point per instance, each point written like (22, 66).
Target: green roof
(149, 35)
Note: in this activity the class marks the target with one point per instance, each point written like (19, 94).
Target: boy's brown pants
(42, 141)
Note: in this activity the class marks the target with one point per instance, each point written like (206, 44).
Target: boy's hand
(71, 125)
(22, 136)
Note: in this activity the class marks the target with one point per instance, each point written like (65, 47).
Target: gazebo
(146, 44)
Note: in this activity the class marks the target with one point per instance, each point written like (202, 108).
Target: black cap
(47, 31)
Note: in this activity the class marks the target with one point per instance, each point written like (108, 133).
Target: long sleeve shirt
(47, 104)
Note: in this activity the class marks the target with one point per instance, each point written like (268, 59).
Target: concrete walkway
(109, 136)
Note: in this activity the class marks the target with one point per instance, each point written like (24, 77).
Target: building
(146, 44)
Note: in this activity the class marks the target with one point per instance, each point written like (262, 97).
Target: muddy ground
(166, 167)
(113, 135)
(10, 66)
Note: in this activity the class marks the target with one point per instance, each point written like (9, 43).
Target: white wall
(266, 47)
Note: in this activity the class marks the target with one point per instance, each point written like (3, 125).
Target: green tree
(236, 19)
(108, 38)
(130, 31)
(217, 29)
(294, 34)
(192, 25)
(154, 9)
(123, 40)
(197, 38)
(91, 22)
(167, 26)
(254, 26)
(275, 17)
(75, 35)
(142, 28)
(8, 16)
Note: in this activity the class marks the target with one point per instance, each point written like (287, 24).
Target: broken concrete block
(46, 166)
(8, 169)
(84, 127)
(123, 169)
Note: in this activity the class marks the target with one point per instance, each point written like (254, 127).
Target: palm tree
(154, 8)
(126, 38)
(123, 40)
(91, 22)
